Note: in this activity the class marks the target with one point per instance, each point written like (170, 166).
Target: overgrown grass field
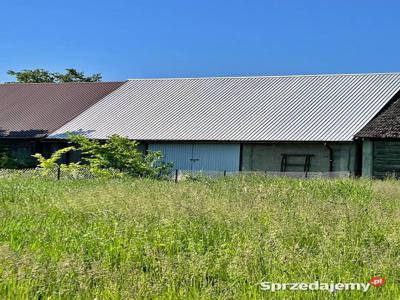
(216, 238)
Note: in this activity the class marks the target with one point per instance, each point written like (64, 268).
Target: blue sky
(142, 39)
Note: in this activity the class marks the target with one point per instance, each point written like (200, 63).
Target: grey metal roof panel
(33, 110)
(275, 108)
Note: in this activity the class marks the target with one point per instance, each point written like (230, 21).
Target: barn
(30, 112)
(381, 143)
(311, 123)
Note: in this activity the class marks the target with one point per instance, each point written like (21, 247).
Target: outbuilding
(270, 123)
(30, 112)
(381, 143)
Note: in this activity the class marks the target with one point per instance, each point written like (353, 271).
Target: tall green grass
(208, 239)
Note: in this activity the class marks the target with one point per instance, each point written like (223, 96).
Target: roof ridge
(267, 76)
(59, 83)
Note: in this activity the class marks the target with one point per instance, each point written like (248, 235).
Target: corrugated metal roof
(276, 108)
(33, 110)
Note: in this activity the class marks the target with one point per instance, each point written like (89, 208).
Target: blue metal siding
(217, 157)
(178, 154)
(196, 157)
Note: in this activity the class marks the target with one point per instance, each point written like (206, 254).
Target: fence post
(176, 175)
(224, 173)
(58, 173)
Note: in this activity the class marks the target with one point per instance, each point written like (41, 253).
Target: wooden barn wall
(385, 156)
(21, 151)
(267, 157)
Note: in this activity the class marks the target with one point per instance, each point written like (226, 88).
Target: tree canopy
(42, 75)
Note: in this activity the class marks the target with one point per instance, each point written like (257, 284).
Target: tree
(32, 76)
(42, 75)
(73, 75)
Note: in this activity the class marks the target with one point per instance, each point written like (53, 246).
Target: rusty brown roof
(34, 110)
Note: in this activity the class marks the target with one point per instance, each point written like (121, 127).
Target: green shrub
(48, 166)
(117, 157)
(6, 162)
(119, 153)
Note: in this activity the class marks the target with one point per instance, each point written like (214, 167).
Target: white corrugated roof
(271, 108)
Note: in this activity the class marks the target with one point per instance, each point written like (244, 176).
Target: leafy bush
(122, 154)
(48, 166)
(119, 153)
(6, 162)
(10, 161)
(116, 157)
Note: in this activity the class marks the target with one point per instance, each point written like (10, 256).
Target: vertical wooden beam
(367, 158)
(241, 158)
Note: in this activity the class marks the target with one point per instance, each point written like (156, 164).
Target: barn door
(178, 154)
(200, 157)
(216, 157)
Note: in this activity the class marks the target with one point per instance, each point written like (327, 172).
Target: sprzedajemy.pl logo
(320, 286)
